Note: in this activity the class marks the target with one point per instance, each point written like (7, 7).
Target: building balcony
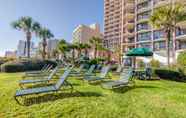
(129, 16)
(160, 3)
(144, 9)
(143, 41)
(129, 34)
(141, 1)
(143, 30)
(142, 20)
(181, 37)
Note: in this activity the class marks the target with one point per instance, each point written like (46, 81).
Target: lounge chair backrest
(44, 67)
(91, 69)
(81, 67)
(62, 79)
(66, 68)
(126, 75)
(119, 69)
(104, 71)
(53, 72)
(49, 68)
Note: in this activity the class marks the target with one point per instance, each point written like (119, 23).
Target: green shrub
(141, 64)
(181, 60)
(155, 63)
(169, 74)
(25, 65)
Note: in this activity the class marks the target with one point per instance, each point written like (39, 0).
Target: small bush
(25, 65)
(169, 74)
(155, 63)
(181, 62)
(141, 64)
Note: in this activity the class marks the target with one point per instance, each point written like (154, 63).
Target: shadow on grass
(129, 88)
(53, 97)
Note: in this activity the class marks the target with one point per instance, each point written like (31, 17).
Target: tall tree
(73, 47)
(63, 47)
(167, 19)
(44, 34)
(28, 26)
(86, 48)
(97, 44)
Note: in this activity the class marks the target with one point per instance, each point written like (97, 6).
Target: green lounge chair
(40, 80)
(45, 67)
(43, 73)
(90, 71)
(125, 79)
(119, 69)
(47, 89)
(77, 72)
(103, 75)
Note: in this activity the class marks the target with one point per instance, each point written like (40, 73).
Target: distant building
(51, 46)
(83, 33)
(10, 54)
(22, 49)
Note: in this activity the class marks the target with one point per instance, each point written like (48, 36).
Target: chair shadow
(129, 88)
(53, 97)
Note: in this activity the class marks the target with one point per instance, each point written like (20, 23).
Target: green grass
(147, 99)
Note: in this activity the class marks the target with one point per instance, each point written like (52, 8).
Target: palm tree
(44, 34)
(167, 19)
(86, 47)
(118, 53)
(28, 26)
(97, 44)
(73, 47)
(80, 47)
(63, 47)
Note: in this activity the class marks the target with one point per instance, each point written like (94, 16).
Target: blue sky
(60, 16)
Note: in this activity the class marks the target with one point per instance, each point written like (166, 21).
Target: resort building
(126, 24)
(22, 49)
(51, 46)
(119, 24)
(10, 54)
(83, 33)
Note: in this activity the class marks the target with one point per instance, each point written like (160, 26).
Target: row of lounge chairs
(46, 75)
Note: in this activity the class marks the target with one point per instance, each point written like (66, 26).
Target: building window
(159, 45)
(143, 5)
(180, 32)
(158, 34)
(144, 15)
(143, 26)
(144, 36)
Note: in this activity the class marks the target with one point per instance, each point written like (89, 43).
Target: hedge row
(169, 74)
(26, 65)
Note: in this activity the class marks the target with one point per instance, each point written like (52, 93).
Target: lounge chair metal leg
(16, 99)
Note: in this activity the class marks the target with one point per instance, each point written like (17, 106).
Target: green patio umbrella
(140, 52)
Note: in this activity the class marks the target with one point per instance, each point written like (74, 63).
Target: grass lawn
(147, 99)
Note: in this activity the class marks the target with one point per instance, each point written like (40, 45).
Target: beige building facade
(83, 33)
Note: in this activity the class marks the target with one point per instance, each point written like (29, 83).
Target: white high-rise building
(22, 49)
(83, 33)
(52, 45)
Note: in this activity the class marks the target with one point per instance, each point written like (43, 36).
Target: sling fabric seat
(103, 74)
(123, 81)
(35, 90)
(90, 71)
(46, 89)
(45, 79)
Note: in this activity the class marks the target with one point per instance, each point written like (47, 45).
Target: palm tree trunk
(73, 56)
(95, 53)
(168, 47)
(28, 36)
(174, 45)
(44, 48)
